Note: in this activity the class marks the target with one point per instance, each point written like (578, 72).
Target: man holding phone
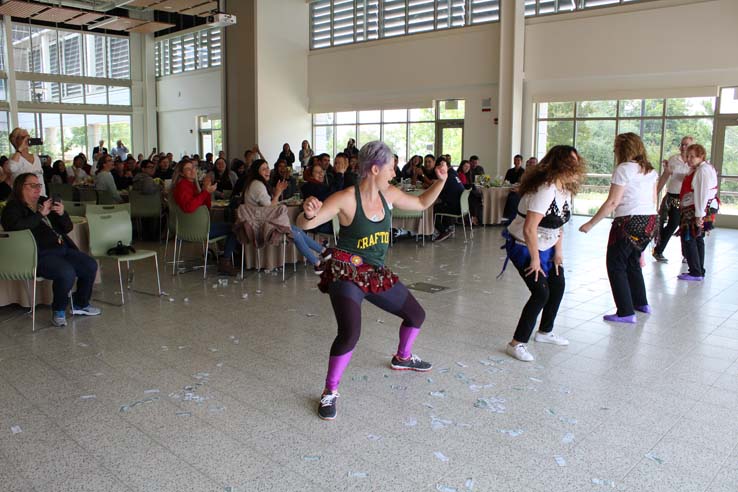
(23, 161)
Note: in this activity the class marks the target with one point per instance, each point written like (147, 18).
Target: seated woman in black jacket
(59, 260)
(317, 187)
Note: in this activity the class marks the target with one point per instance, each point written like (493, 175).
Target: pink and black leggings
(346, 298)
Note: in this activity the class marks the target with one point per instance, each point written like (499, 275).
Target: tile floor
(205, 390)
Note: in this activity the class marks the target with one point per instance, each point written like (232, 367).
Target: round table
(493, 204)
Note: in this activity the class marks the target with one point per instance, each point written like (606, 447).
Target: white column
(510, 97)
(10, 66)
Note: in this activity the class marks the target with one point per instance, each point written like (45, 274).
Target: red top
(462, 178)
(188, 198)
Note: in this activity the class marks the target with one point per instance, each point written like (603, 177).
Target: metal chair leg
(205, 267)
(284, 253)
(120, 280)
(463, 225)
(471, 226)
(158, 281)
(33, 304)
(243, 254)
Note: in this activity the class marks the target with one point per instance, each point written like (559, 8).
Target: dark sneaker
(327, 406)
(412, 364)
(443, 236)
(58, 318)
(660, 258)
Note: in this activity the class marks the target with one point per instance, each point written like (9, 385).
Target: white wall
(412, 71)
(181, 99)
(658, 48)
(282, 97)
(667, 48)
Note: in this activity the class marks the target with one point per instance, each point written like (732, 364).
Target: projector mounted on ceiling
(221, 20)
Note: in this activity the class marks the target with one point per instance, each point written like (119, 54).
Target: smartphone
(56, 198)
(35, 141)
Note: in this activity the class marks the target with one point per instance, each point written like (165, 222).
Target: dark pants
(225, 229)
(346, 298)
(626, 276)
(61, 266)
(475, 204)
(442, 223)
(511, 206)
(666, 230)
(545, 295)
(694, 251)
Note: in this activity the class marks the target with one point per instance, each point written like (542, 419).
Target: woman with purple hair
(356, 270)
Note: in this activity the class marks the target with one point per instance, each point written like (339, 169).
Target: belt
(345, 257)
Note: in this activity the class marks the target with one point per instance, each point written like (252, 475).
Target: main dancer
(535, 243)
(356, 269)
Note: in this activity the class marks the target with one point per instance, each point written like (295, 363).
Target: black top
(554, 218)
(477, 171)
(122, 182)
(290, 157)
(5, 191)
(513, 175)
(289, 191)
(451, 193)
(322, 191)
(164, 174)
(17, 217)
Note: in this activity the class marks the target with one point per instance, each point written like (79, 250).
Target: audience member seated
(475, 195)
(121, 175)
(59, 260)
(133, 167)
(476, 168)
(165, 170)
(5, 179)
(238, 167)
(316, 186)
(281, 172)
(259, 194)
(398, 171)
(531, 163)
(59, 173)
(104, 180)
(76, 173)
(144, 182)
(514, 174)
(429, 174)
(189, 197)
(351, 175)
(408, 170)
(449, 201)
(207, 165)
(287, 155)
(46, 168)
(224, 178)
(464, 173)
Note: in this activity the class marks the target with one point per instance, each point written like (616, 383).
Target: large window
(337, 22)
(188, 52)
(41, 51)
(211, 134)
(408, 132)
(591, 127)
(544, 7)
(66, 135)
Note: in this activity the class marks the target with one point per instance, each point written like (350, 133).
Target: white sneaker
(550, 338)
(520, 352)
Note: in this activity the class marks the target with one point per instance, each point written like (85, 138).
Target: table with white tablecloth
(17, 291)
(416, 225)
(493, 204)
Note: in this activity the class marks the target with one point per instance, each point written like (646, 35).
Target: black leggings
(346, 298)
(666, 229)
(626, 277)
(545, 295)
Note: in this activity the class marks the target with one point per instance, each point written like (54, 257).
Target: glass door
(725, 160)
(450, 140)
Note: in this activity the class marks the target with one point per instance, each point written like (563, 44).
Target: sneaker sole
(326, 418)
(85, 313)
(403, 368)
(551, 342)
(58, 325)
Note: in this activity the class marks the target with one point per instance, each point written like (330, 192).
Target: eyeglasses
(35, 186)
